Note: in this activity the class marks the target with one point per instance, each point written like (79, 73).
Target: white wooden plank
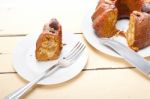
(29, 16)
(105, 84)
(7, 44)
(96, 59)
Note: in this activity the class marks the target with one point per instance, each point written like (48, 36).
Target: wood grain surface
(104, 76)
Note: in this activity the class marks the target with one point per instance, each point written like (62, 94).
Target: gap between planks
(18, 35)
(12, 35)
(107, 68)
(91, 69)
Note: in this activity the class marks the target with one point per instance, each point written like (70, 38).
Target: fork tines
(75, 51)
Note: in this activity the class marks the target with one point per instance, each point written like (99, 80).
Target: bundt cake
(107, 13)
(105, 16)
(49, 43)
(138, 33)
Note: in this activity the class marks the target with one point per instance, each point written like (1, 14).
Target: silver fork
(65, 61)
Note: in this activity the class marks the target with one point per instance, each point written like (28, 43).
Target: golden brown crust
(100, 25)
(49, 43)
(141, 31)
(126, 7)
(106, 12)
(102, 8)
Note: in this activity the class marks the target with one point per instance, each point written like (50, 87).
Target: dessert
(107, 13)
(49, 43)
(105, 16)
(138, 33)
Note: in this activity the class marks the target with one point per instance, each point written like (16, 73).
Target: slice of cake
(138, 33)
(49, 43)
(104, 20)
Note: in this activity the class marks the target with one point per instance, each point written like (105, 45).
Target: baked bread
(49, 43)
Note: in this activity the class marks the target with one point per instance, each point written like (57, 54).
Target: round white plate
(93, 39)
(28, 67)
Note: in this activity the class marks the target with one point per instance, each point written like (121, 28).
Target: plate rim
(87, 20)
(23, 75)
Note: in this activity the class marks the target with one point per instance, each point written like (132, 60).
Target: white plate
(93, 39)
(28, 67)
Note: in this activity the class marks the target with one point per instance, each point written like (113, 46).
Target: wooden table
(104, 76)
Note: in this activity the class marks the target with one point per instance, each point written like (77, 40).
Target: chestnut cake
(107, 13)
(105, 16)
(138, 33)
(49, 43)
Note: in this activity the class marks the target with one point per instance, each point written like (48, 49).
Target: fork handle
(21, 91)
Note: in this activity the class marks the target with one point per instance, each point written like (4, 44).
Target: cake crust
(49, 43)
(139, 27)
(99, 24)
(107, 13)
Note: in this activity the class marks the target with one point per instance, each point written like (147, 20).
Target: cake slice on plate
(49, 43)
(138, 33)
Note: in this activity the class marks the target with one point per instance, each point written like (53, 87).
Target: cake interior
(111, 23)
(130, 32)
(49, 44)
